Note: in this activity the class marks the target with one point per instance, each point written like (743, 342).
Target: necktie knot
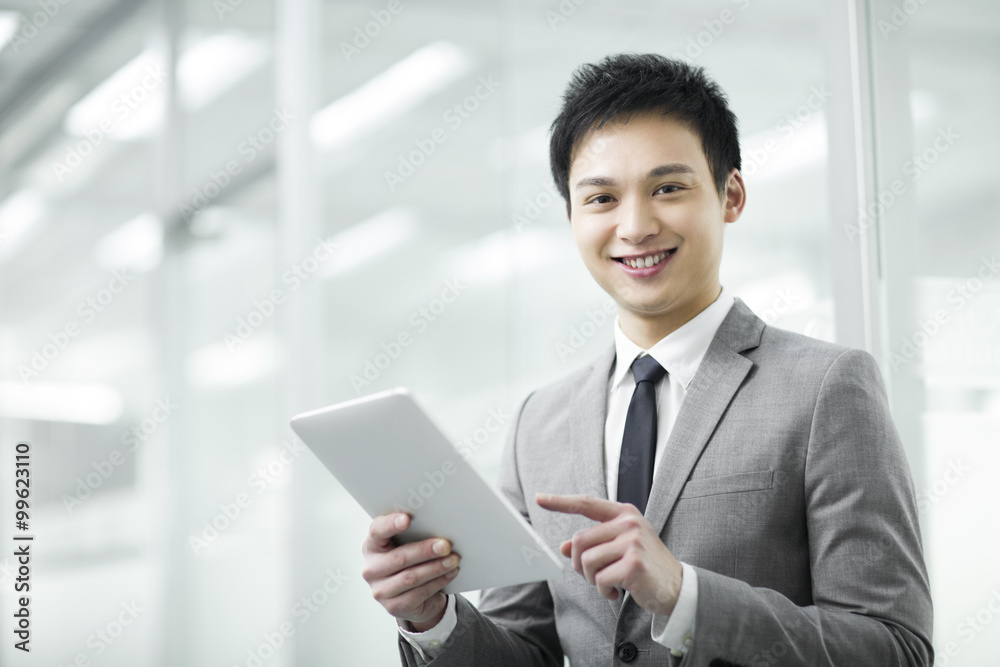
(646, 369)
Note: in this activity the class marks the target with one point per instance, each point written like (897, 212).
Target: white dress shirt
(680, 353)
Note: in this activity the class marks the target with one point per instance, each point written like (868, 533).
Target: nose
(636, 220)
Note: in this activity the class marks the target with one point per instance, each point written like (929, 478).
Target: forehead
(636, 141)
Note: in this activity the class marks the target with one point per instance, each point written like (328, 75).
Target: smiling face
(648, 221)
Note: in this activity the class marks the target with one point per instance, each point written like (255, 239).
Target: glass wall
(458, 275)
(936, 76)
(81, 379)
(216, 215)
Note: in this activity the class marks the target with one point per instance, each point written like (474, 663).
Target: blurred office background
(216, 214)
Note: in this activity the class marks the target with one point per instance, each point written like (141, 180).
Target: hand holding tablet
(407, 580)
(391, 458)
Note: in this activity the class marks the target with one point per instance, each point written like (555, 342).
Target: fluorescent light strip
(216, 365)
(500, 255)
(76, 403)
(9, 23)
(131, 99)
(105, 105)
(20, 214)
(769, 154)
(213, 65)
(136, 245)
(528, 148)
(370, 238)
(388, 95)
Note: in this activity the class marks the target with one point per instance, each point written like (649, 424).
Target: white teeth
(644, 262)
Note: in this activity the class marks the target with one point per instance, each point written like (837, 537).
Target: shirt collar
(679, 352)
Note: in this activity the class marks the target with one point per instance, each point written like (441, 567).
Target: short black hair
(624, 84)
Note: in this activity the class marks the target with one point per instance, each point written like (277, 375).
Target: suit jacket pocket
(745, 481)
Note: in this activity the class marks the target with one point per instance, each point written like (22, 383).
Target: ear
(735, 196)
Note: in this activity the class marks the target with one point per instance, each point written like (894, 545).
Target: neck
(646, 331)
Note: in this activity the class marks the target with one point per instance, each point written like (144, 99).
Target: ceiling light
(771, 153)
(213, 65)
(19, 217)
(216, 365)
(78, 403)
(9, 23)
(389, 94)
(500, 255)
(528, 148)
(129, 104)
(370, 238)
(126, 105)
(136, 245)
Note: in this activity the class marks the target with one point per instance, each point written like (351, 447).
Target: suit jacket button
(627, 652)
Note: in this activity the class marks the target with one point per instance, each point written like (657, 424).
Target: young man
(728, 493)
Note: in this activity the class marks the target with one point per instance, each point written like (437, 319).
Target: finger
(414, 602)
(589, 538)
(596, 559)
(383, 528)
(381, 565)
(609, 579)
(598, 576)
(597, 534)
(597, 509)
(414, 577)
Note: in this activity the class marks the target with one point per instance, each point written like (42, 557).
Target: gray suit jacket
(783, 483)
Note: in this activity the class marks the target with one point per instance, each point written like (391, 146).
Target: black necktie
(635, 467)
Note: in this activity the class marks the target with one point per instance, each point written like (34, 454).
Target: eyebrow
(669, 169)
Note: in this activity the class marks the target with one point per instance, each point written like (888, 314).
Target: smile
(646, 260)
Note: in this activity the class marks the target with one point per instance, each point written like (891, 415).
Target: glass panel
(936, 75)
(458, 276)
(81, 252)
(228, 484)
(454, 272)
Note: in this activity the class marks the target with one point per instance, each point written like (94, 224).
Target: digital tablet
(389, 455)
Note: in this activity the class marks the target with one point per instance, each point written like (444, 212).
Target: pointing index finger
(592, 508)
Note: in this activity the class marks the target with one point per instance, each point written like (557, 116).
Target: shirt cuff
(431, 643)
(676, 630)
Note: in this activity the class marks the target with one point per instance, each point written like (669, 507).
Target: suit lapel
(719, 376)
(588, 412)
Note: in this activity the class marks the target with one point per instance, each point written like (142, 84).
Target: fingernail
(401, 521)
(441, 547)
(450, 562)
(452, 574)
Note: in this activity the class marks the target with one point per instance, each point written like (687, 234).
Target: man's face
(642, 190)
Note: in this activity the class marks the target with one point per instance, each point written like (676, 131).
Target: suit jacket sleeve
(514, 625)
(871, 600)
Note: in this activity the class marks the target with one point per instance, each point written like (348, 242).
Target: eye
(600, 199)
(668, 189)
